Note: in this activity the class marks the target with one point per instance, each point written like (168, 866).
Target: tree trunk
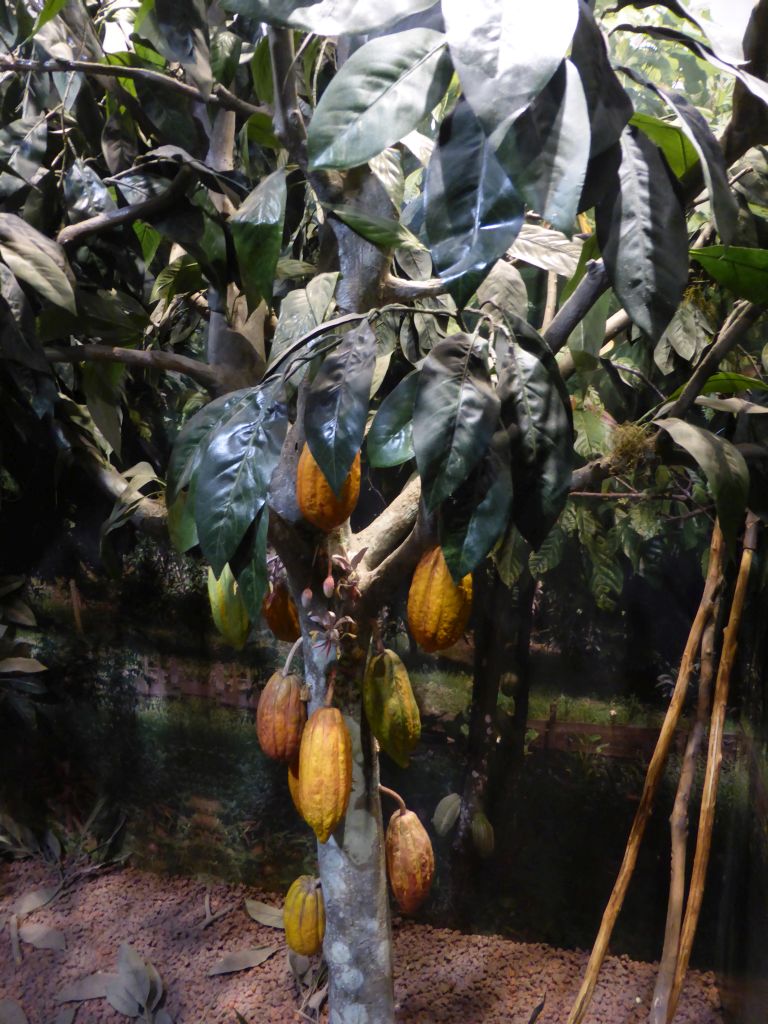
(358, 934)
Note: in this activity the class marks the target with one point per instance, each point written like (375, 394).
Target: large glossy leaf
(642, 235)
(252, 576)
(257, 231)
(677, 148)
(337, 404)
(505, 53)
(234, 474)
(328, 17)
(503, 289)
(609, 105)
(37, 260)
(454, 418)
(546, 150)
(191, 442)
(300, 312)
(389, 441)
(547, 249)
(536, 411)
(473, 212)
(473, 519)
(380, 94)
(709, 151)
(744, 271)
(722, 464)
(381, 231)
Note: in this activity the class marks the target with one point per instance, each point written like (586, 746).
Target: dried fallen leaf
(242, 960)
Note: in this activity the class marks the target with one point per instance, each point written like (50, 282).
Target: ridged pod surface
(230, 615)
(482, 834)
(438, 608)
(390, 707)
(280, 611)
(325, 771)
(293, 783)
(304, 916)
(317, 502)
(280, 717)
(410, 860)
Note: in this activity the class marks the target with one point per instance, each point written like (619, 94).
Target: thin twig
(550, 305)
(714, 761)
(219, 96)
(652, 779)
(401, 289)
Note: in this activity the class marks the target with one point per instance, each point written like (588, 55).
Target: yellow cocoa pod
(410, 860)
(304, 916)
(293, 783)
(280, 717)
(230, 615)
(280, 611)
(390, 707)
(438, 608)
(325, 771)
(317, 502)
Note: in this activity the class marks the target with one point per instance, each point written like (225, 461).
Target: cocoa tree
(322, 228)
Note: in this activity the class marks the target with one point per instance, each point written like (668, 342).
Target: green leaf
(37, 260)
(536, 410)
(192, 440)
(337, 404)
(389, 441)
(454, 416)
(257, 231)
(678, 150)
(506, 53)
(610, 108)
(643, 236)
(510, 556)
(387, 234)
(503, 289)
(328, 17)
(722, 464)
(725, 383)
(253, 578)
(586, 339)
(607, 577)
(50, 9)
(300, 312)
(225, 56)
(743, 271)
(102, 384)
(547, 249)
(379, 94)
(181, 522)
(473, 212)
(546, 150)
(235, 471)
(476, 515)
(688, 335)
(549, 554)
(179, 30)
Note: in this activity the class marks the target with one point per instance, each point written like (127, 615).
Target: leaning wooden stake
(678, 822)
(714, 760)
(652, 779)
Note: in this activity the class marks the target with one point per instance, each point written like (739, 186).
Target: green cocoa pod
(482, 834)
(390, 707)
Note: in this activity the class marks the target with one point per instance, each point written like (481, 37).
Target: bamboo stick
(652, 779)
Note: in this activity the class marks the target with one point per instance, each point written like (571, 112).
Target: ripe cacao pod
(230, 615)
(280, 717)
(279, 610)
(410, 860)
(482, 834)
(325, 771)
(293, 783)
(390, 707)
(317, 501)
(304, 916)
(438, 608)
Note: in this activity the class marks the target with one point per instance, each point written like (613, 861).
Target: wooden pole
(652, 779)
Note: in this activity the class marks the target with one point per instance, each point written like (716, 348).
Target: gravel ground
(442, 976)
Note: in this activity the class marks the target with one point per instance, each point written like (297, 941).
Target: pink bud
(306, 597)
(329, 585)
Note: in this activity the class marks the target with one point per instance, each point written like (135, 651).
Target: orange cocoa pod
(280, 717)
(304, 916)
(317, 501)
(410, 860)
(325, 771)
(293, 783)
(438, 608)
(280, 611)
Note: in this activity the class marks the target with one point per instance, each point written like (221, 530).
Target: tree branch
(590, 288)
(288, 122)
(743, 316)
(388, 529)
(127, 214)
(402, 290)
(148, 359)
(219, 96)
